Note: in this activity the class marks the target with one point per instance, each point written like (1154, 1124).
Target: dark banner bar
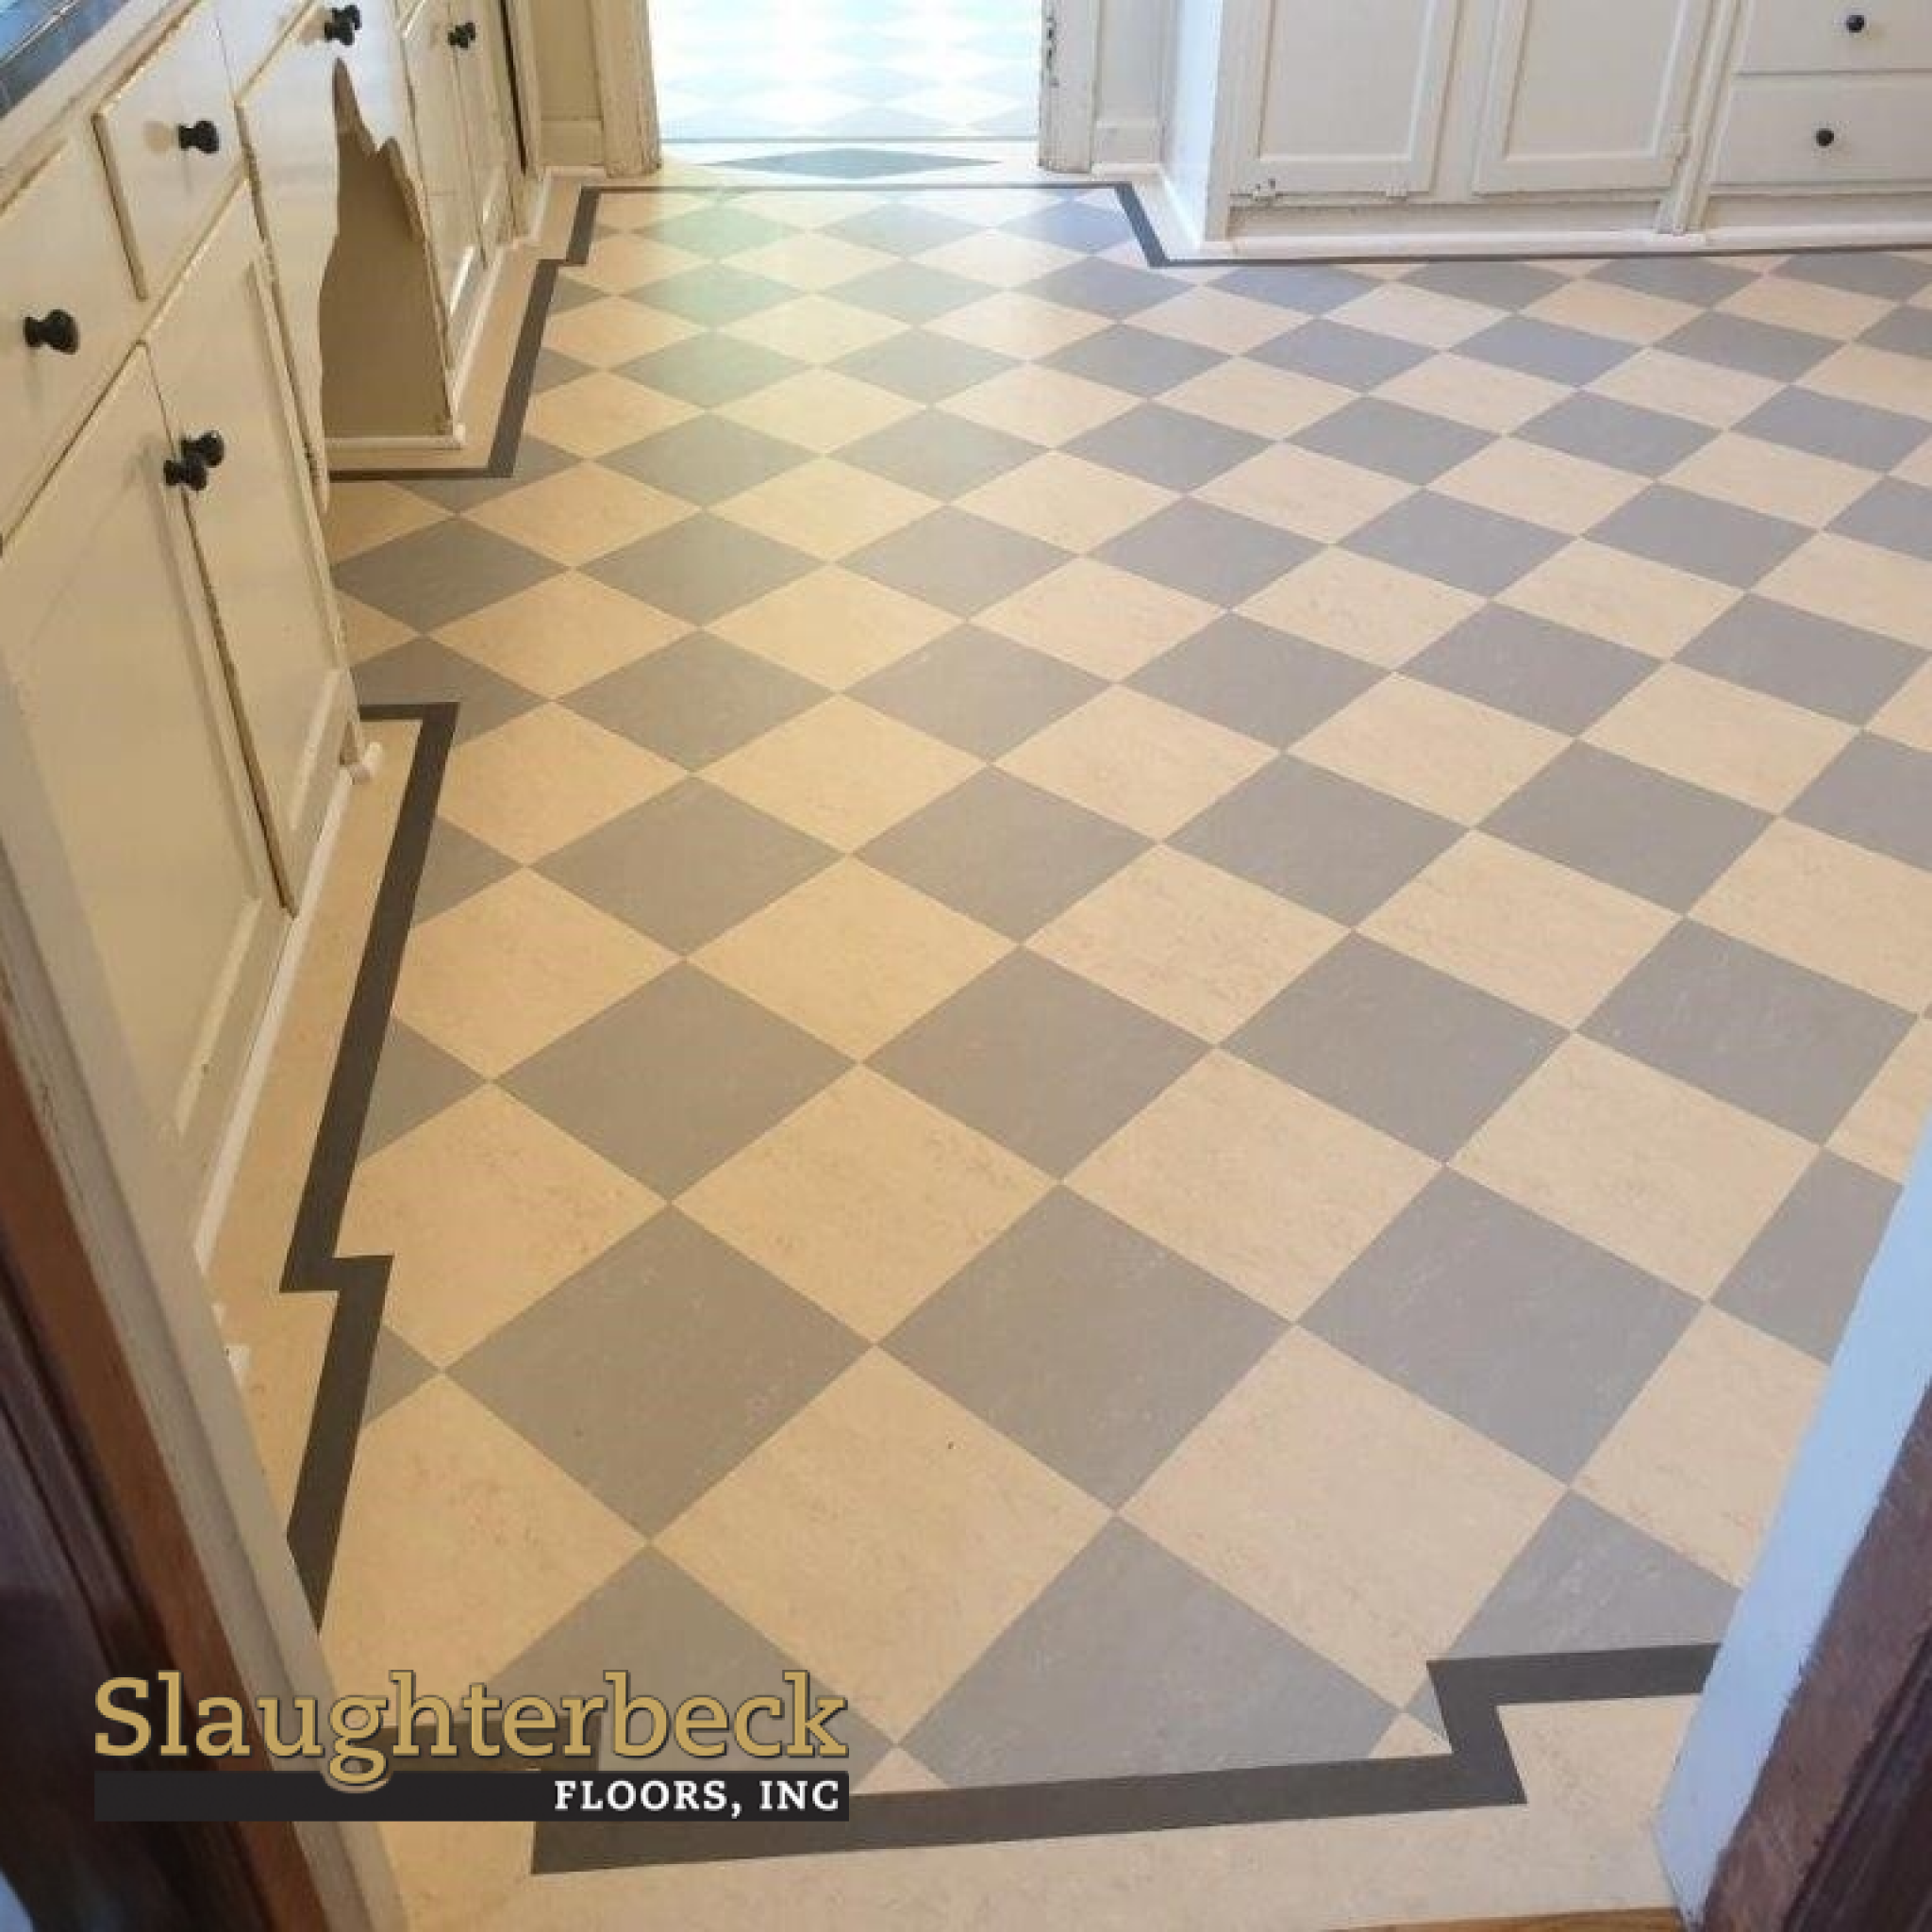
(187, 1797)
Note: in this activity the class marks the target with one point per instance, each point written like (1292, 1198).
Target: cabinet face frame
(1649, 169)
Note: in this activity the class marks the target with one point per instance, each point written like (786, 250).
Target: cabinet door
(476, 39)
(1343, 97)
(218, 355)
(124, 803)
(1587, 98)
(452, 213)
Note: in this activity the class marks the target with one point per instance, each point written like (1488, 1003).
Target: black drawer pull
(1825, 137)
(339, 24)
(185, 471)
(463, 36)
(210, 446)
(202, 137)
(55, 330)
(1854, 23)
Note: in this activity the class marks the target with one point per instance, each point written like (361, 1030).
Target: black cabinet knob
(1826, 136)
(339, 24)
(1854, 23)
(210, 447)
(203, 137)
(463, 35)
(55, 330)
(185, 471)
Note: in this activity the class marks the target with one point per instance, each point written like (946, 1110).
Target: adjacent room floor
(1143, 994)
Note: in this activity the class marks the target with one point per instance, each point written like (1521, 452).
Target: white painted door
(475, 37)
(1587, 97)
(1340, 97)
(454, 243)
(218, 356)
(124, 805)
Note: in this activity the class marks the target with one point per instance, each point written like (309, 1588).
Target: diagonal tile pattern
(1210, 973)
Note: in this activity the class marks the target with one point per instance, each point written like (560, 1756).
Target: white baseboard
(1124, 146)
(571, 144)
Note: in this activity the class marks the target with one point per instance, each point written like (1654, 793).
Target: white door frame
(1068, 84)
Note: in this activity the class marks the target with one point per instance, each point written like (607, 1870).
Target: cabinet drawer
(63, 271)
(1880, 128)
(1818, 37)
(250, 29)
(172, 146)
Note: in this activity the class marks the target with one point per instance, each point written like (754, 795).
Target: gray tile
(1799, 1279)
(944, 455)
(1312, 288)
(1533, 1337)
(534, 461)
(1752, 1028)
(1495, 284)
(1461, 543)
(1629, 825)
(395, 1372)
(1134, 360)
(414, 1081)
(1694, 278)
(1167, 446)
(1076, 223)
(1904, 332)
(422, 672)
(654, 1371)
(1532, 668)
(1700, 535)
(674, 1636)
(1894, 515)
(1086, 1344)
(707, 458)
(910, 292)
(1039, 1059)
(551, 368)
(1216, 1687)
(1547, 349)
(900, 228)
(701, 568)
(1830, 667)
(1887, 273)
(697, 699)
(1875, 793)
(675, 1078)
(435, 575)
(717, 294)
(710, 369)
(1255, 679)
(1758, 348)
(921, 366)
(1333, 352)
(719, 228)
(1395, 440)
(1643, 441)
(1209, 553)
(568, 293)
(1424, 1056)
(458, 866)
(981, 693)
(1830, 426)
(1103, 287)
(1003, 852)
(959, 561)
(1324, 841)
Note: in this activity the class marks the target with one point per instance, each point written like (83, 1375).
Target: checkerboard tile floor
(856, 70)
(1218, 974)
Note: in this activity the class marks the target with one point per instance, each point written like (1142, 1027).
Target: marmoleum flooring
(1143, 993)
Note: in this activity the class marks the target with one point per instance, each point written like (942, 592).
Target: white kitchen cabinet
(1586, 98)
(218, 356)
(125, 801)
(455, 241)
(475, 42)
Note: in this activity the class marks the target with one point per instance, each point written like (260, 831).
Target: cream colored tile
(1042, 405)
(1840, 908)
(1722, 736)
(820, 410)
(1254, 1180)
(1880, 378)
(1767, 476)
(1627, 599)
(515, 966)
(362, 515)
(579, 513)
(1187, 941)
(1678, 386)
(884, 1537)
(1413, 314)
(547, 777)
(1908, 716)
(826, 508)
(811, 262)
(852, 957)
(833, 626)
(1857, 583)
(1477, 393)
(618, 263)
(999, 260)
(1917, 468)
(1012, 324)
(1303, 491)
(802, 208)
(1356, 1516)
(1530, 931)
(1541, 486)
(461, 1544)
(1368, 609)
(815, 328)
(899, 1771)
(1666, 1177)
(1813, 307)
(841, 772)
(562, 633)
(1434, 748)
(1066, 501)
(1138, 761)
(1274, 403)
(1885, 1127)
(486, 1207)
(1627, 315)
(1213, 318)
(598, 414)
(1104, 620)
(368, 632)
(1699, 1460)
(1408, 1737)
(606, 333)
